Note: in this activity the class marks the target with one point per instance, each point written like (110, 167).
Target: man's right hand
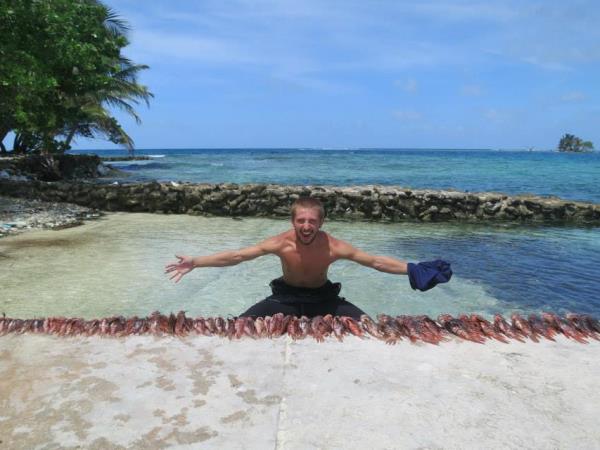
(183, 266)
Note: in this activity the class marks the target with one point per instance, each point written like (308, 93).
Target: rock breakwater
(372, 203)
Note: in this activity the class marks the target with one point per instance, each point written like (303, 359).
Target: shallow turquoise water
(115, 266)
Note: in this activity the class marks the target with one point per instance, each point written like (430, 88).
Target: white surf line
(282, 413)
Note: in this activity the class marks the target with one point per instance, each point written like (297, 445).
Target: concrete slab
(199, 392)
(139, 392)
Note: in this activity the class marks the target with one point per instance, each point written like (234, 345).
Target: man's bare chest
(303, 261)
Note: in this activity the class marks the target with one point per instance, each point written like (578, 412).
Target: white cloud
(544, 62)
(311, 38)
(158, 44)
(410, 85)
(471, 90)
(407, 115)
(312, 83)
(491, 114)
(573, 96)
(466, 11)
(497, 116)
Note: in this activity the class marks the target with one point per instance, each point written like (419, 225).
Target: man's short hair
(308, 202)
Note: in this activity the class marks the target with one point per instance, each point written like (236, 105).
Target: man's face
(307, 223)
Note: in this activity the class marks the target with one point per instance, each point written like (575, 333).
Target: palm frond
(114, 23)
(123, 106)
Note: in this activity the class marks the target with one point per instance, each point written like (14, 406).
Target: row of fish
(390, 329)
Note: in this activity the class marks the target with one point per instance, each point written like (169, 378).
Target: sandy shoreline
(146, 392)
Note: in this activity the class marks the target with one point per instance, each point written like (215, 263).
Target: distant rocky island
(572, 144)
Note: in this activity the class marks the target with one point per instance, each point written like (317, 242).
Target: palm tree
(96, 120)
(122, 92)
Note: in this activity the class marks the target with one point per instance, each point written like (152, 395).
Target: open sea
(570, 176)
(115, 265)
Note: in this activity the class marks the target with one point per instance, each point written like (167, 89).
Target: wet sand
(207, 392)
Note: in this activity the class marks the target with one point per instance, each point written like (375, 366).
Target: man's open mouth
(306, 235)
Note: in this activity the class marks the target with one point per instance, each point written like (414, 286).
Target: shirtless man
(306, 252)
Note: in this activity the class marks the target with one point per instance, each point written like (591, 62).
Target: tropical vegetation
(62, 73)
(571, 143)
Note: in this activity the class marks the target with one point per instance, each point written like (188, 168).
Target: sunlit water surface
(115, 266)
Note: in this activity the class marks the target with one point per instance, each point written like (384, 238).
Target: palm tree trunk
(17, 148)
(3, 133)
(70, 136)
(21, 143)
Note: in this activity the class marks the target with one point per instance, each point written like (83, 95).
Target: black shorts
(300, 301)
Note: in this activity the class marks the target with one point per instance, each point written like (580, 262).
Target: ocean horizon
(539, 172)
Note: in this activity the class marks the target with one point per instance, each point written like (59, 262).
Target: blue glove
(425, 275)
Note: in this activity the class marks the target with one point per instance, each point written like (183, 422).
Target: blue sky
(338, 74)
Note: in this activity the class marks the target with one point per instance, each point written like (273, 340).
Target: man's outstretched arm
(422, 276)
(343, 250)
(185, 264)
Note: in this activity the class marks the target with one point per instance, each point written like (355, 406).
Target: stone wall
(377, 203)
